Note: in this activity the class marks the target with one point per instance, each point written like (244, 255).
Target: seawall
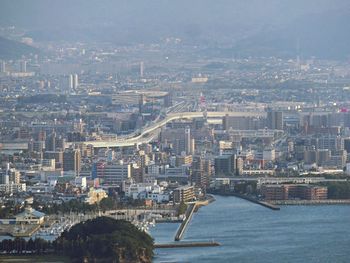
(188, 244)
(248, 198)
(182, 228)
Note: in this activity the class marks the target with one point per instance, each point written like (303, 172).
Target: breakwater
(188, 215)
(187, 244)
(312, 202)
(248, 198)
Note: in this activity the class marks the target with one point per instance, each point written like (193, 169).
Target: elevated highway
(147, 134)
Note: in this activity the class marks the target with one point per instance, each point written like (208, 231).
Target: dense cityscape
(152, 133)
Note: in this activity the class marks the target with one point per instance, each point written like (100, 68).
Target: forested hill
(10, 49)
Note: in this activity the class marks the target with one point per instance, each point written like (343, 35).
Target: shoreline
(311, 202)
(250, 199)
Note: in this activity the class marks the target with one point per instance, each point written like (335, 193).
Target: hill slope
(323, 35)
(10, 49)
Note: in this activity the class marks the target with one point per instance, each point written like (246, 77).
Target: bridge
(148, 133)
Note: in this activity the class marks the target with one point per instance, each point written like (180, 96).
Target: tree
(182, 208)
(107, 238)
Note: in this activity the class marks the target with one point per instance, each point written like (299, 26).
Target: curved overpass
(148, 133)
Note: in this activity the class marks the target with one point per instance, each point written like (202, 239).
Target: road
(148, 133)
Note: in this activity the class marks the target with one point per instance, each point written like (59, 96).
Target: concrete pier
(251, 199)
(189, 212)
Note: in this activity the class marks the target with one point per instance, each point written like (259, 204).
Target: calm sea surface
(251, 233)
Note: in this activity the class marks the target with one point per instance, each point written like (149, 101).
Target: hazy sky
(54, 13)
(221, 21)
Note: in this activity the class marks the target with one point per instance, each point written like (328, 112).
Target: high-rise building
(141, 69)
(75, 82)
(50, 142)
(23, 66)
(2, 66)
(36, 146)
(14, 176)
(274, 119)
(189, 143)
(183, 194)
(201, 171)
(225, 165)
(70, 83)
(10, 176)
(4, 175)
(72, 160)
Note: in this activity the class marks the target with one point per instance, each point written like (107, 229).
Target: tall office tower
(40, 135)
(274, 119)
(37, 146)
(142, 101)
(142, 67)
(23, 66)
(70, 83)
(72, 160)
(225, 165)
(2, 66)
(199, 177)
(75, 81)
(189, 144)
(14, 176)
(5, 179)
(50, 142)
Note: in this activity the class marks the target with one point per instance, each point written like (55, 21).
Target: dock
(187, 244)
(188, 216)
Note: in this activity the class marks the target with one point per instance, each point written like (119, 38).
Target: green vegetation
(35, 258)
(66, 207)
(338, 190)
(102, 238)
(21, 246)
(182, 208)
(108, 203)
(106, 238)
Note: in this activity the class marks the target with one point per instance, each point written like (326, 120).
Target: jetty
(188, 216)
(312, 202)
(187, 244)
(248, 198)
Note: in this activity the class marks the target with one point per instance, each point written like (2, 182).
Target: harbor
(247, 232)
(49, 227)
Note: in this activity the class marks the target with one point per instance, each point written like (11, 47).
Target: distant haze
(195, 21)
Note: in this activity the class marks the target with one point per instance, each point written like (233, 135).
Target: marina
(248, 232)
